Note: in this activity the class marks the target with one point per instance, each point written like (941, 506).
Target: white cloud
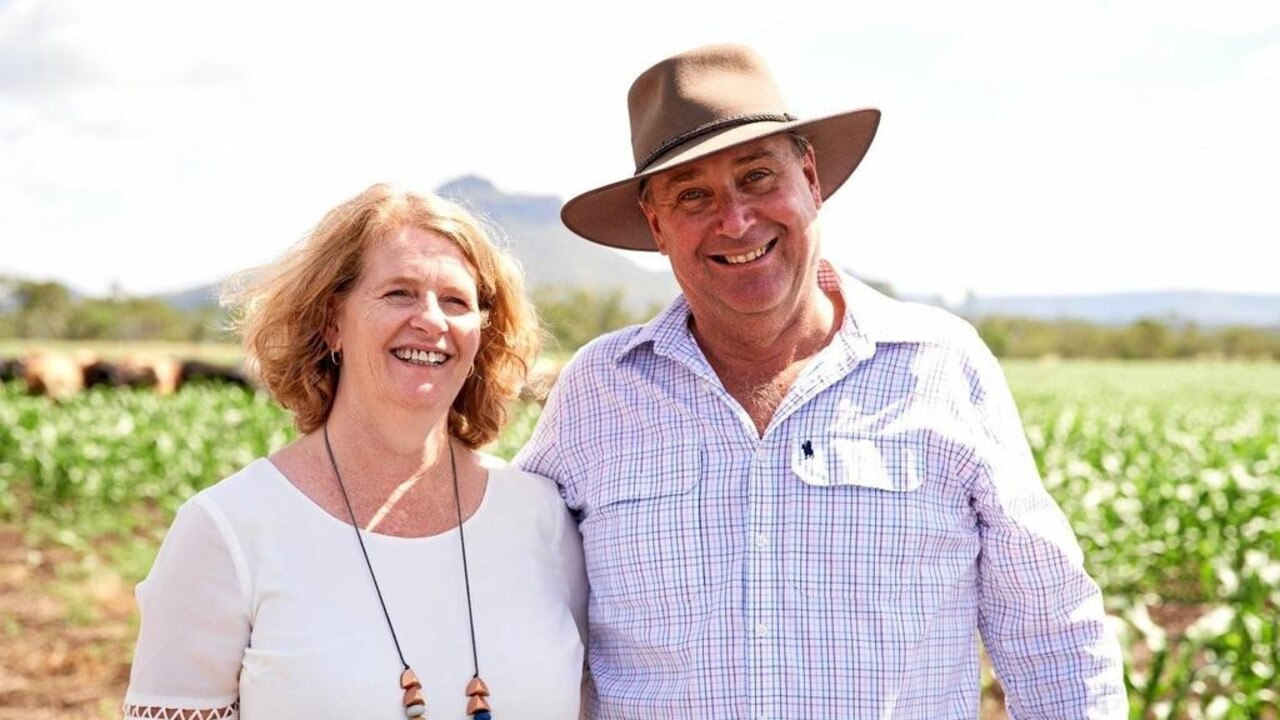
(1025, 148)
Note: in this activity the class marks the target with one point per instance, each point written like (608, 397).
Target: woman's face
(410, 328)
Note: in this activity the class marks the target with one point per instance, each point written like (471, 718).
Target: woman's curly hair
(284, 310)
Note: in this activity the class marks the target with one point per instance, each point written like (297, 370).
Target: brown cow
(151, 370)
(55, 374)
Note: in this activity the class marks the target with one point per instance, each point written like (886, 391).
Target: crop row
(1170, 475)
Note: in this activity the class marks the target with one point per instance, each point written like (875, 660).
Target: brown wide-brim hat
(698, 103)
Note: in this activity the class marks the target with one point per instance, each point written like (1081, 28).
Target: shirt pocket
(859, 522)
(643, 545)
(643, 532)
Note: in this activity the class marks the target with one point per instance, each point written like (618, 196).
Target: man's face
(739, 229)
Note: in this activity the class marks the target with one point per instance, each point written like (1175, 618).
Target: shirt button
(762, 630)
(762, 541)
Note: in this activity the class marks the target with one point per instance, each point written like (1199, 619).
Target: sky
(1026, 147)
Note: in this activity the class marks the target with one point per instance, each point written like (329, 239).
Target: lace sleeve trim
(226, 712)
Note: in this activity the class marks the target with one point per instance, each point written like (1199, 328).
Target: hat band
(710, 127)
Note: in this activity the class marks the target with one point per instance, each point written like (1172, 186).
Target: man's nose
(736, 214)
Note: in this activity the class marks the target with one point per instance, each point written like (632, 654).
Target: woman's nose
(429, 315)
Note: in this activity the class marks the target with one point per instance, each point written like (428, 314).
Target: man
(799, 498)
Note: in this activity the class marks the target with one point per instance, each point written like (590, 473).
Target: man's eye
(692, 195)
(756, 176)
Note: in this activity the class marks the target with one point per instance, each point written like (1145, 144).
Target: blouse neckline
(315, 509)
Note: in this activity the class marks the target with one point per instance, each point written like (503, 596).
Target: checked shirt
(842, 565)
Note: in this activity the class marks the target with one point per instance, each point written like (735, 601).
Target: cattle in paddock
(59, 374)
(12, 369)
(135, 371)
(160, 372)
(111, 374)
(201, 371)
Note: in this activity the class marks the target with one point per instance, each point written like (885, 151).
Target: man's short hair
(799, 145)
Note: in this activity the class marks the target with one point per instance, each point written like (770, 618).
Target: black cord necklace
(415, 704)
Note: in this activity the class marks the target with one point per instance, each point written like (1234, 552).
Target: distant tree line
(50, 311)
(1146, 339)
(573, 316)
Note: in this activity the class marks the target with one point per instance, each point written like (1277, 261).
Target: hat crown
(696, 92)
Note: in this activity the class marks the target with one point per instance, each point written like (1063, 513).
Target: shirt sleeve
(1040, 613)
(195, 621)
(541, 454)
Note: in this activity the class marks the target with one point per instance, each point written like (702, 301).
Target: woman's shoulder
(248, 480)
(248, 491)
(521, 485)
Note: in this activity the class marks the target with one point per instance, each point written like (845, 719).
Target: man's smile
(746, 257)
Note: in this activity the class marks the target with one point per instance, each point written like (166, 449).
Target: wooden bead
(408, 679)
(477, 687)
(476, 704)
(413, 696)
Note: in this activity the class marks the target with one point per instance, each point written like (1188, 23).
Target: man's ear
(810, 168)
(654, 228)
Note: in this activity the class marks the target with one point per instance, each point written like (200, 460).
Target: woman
(397, 334)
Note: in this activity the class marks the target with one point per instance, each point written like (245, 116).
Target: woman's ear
(332, 337)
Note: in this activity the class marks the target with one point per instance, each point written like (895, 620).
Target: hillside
(1206, 309)
(553, 256)
(529, 226)
(550, 254)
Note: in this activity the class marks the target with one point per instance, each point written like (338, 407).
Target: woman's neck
(389, 451)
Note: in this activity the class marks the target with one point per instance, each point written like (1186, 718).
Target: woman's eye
(398, 295)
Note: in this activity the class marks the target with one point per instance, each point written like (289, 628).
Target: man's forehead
(773, 146)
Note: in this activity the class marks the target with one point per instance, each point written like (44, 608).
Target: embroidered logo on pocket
(885, 464)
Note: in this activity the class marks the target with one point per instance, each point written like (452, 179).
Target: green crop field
(1170, 474)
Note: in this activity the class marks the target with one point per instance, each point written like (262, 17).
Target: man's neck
(758, 358)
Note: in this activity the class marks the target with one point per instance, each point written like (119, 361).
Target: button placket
(762, 581)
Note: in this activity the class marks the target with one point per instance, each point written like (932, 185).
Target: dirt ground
(66, 634)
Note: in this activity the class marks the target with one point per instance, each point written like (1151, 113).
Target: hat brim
(611, 215)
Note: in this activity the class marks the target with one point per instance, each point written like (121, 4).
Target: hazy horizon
(1094, 148)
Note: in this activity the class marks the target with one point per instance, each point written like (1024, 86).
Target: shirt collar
(666, 333)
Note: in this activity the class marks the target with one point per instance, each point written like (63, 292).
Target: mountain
(193, 299)
(1207, 309)
(549, 253)
(529, 226)
(552, 256)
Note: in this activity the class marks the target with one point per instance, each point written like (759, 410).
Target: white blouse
(259, 605)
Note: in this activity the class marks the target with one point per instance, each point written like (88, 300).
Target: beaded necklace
(415, 703)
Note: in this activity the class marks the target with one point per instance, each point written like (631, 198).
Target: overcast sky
(1026, 147)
